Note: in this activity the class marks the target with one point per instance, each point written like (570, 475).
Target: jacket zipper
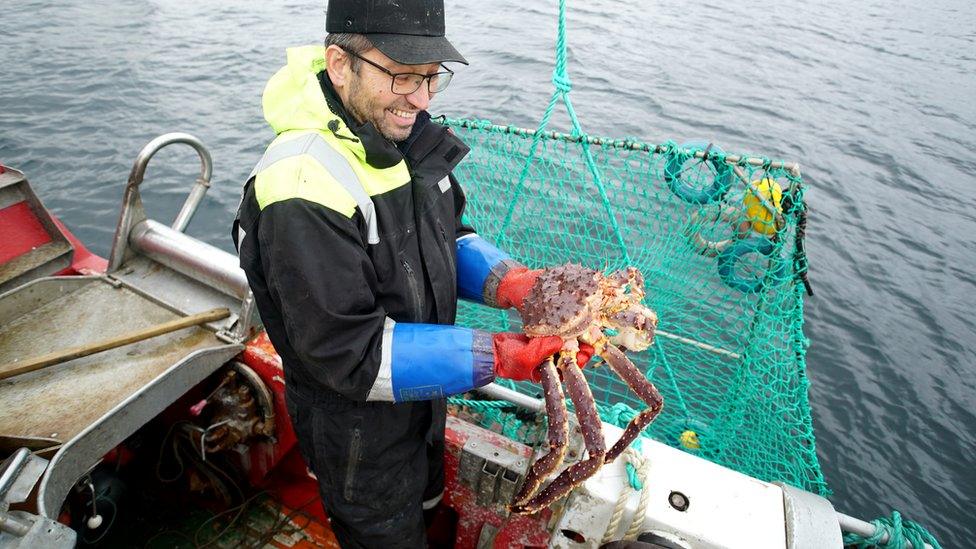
(447, 251)
(353, 464)
(414, 289)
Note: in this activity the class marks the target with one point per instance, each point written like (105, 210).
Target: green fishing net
(719, 240)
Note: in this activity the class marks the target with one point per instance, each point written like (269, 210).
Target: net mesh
(719, 241)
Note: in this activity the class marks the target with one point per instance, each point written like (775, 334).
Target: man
(351, 236)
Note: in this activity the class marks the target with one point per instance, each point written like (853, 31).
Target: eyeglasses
(405, 83)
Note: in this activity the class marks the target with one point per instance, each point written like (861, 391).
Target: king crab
(582, 305)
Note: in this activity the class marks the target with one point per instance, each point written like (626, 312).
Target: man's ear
(337, 62)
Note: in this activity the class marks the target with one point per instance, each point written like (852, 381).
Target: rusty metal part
(265, 400)
(238, 415)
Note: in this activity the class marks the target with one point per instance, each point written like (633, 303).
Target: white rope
(618, 513)
(637, 523)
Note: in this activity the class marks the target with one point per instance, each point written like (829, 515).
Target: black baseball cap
(410, 32)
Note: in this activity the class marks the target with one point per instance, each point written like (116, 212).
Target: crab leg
(558, 432)
(646, 390)
(590, 425)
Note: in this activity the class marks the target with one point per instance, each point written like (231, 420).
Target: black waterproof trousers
(376, 463)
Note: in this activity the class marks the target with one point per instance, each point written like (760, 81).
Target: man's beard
(362, 104)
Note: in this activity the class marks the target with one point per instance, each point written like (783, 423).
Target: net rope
(898, 534)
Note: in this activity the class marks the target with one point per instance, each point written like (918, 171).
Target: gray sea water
(876, 101)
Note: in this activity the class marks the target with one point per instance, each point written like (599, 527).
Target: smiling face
(367, 95)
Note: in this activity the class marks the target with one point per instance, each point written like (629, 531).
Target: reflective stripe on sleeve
(382, 388)
(337, 165)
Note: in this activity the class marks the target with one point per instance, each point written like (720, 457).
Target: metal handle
(199, 187)
(9, 523)
(132, 211)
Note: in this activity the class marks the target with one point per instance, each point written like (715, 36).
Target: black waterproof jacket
(322, 288)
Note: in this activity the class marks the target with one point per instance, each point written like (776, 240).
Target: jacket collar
(380, 152)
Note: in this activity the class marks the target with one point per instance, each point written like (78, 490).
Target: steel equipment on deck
(75, 412)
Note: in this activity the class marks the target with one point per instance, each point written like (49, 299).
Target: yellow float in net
(763, 220)
(689, 439)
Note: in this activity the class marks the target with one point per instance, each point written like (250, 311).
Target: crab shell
(573, 301)
(564, 301)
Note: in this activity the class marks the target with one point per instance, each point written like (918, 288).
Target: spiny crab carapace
(582, 305)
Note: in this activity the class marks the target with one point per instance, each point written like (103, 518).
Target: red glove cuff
(518, 356)
(514, 286)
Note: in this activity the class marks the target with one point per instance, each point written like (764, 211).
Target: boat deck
(54, 404)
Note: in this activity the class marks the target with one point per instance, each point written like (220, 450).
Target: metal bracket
(18, 475)
(494, 473)
(810, 519)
